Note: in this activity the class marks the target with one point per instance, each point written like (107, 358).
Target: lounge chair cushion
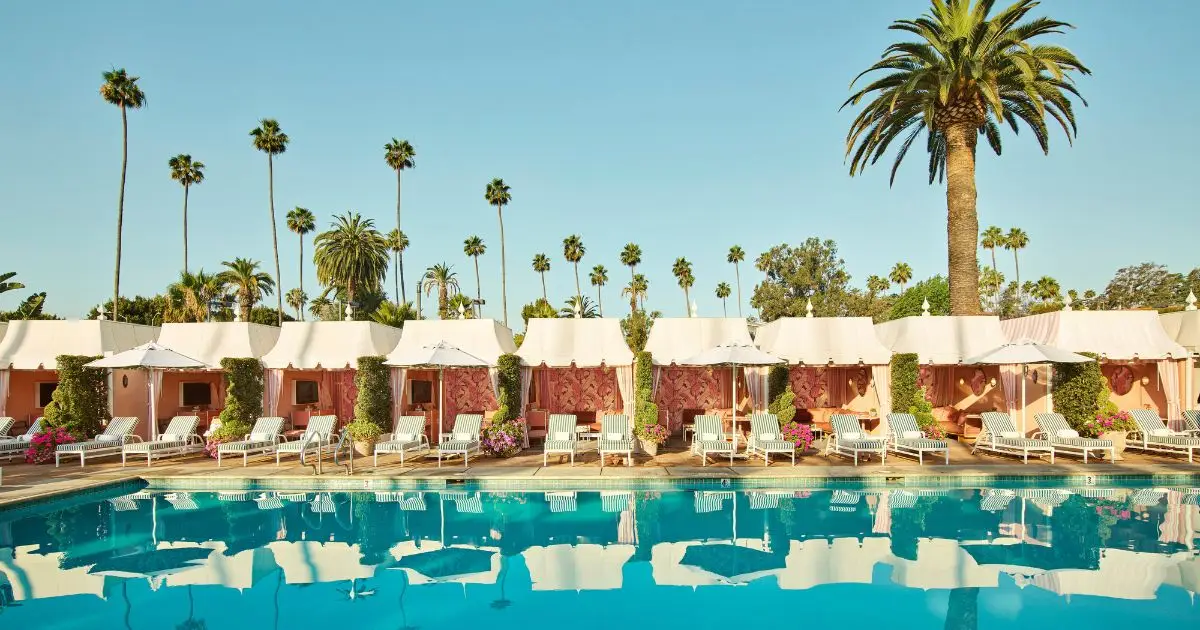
(405, 437)
(1160, 432)
(108, 438)
(1066, 433)
(561, 435)
(708, 437)
(170, 437)
(766, 437)
(556, 445)
(614, 437)
(462, 437)
(912, 435)
(1012, 435)
(851, 435)
(261, 437)
(716, 445)
(925, 444)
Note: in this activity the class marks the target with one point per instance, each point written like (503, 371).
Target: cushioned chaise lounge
(1154, 436)
(262, 439)
(709, 437)
(1066, 440)
(408, 435)
(463, 439)
(906, 438)
(561, 438)
(616, 437)
(16, 446)
(109, 442)
(850, 440)
(1000, 436)
(317, 438)
(765, 438)
(180, 438)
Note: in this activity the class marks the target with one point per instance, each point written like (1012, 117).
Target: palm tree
(723, 292)
(251, 285)
(876, 285)
(573, 251)
(587, 310)
(389, 314)
(398, 242)
(352, 256)
(270, 139)
(735, 257)
(599, 278)
(463, 302)
(1016, 240)
(682, 270)
(901, 274)
(296, 298)
(541, 264)
(399, 155)
(631, 256)
(636, 291)
(445, 280)
(990, 239)
(121, 90)
(187, 172)
(6, 286)
(970, 72)
(474, 247)
(319, 305)
(498, 194)
(1046, 289)
(301, 221)
(188, 298)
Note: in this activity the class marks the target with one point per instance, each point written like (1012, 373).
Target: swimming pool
(610, 559)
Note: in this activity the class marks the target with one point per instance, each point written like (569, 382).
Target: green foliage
(778, 377)
(139, 310)
(352, 255)
(539, 309)
(587, 308)
(80, 404)
(784, 406)
(935, 289)
(794, 275)
(243, 398)
(389, 314)
(32, 307)
(636, 328)
(1080, 391)
(922, 409)
(508, 377)
(1147, 285)
(363, 430)
(374, 403)
(905, 371)
(645, 410)
(267, 316)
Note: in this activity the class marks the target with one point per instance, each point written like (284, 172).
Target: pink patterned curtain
(838, 393)
(938, 381)
(809, 384)
(682, 388)
(581, 389)
(346, 395)
(467, 390)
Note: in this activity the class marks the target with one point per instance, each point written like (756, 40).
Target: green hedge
(645, 412)
(80, 403)
(905, 371)
(1079, 390)
(508, 368)
(243, 397)
(374, 402)
(778, 379)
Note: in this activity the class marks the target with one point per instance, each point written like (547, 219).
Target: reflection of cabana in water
(241, 570)
(1183, 328)
(577, 567)
(1122, 574)
(310, 562)
(435, 563)
(684, 391)
(942, 564)
(836, 365)
(942, 344)
(812, 563)
(33, 575)
(310, 371)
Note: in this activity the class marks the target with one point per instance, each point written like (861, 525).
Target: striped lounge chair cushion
(775, 445)
(614, 502)
(706, 502)
(924, 444)
(1173, 440)
(714, 446)
(863, 445)
(269, 503)
(763, 501)
(158, 445)
(396, 445)
(902, 500)
(90, 445)
(1084, 442)
(1023, 442)
(14, 445)
(560, 445)
(247, 445)
(413, 503)
(616, 445)
(459, 445)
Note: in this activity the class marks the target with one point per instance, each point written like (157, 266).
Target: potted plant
(1110, 424)
(503, 439)
(363, 433)
(650, 436)
(799, 434)
(43, 445)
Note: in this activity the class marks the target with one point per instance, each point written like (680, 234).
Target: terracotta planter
(1119, 440)
(648, 447)
(365, 448)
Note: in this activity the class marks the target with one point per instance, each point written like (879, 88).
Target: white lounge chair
(561, 438)
(996, 500)
(1065, 440)
(181, 501)
(464, 502)
(180, 438)
(110, 441)
(709, 437)
(616, 437)
(1000, 436)
(561, 501)
(463, 438)
(615, 501)
(317, 438)
(850, 440)
(765, 438)
(1191, 422)
(906, 438)
(708, 501)
(6, 424)
(408, 434)
(262, 439)
(1154, 436)
(16, 446)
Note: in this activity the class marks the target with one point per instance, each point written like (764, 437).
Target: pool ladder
(343, 441)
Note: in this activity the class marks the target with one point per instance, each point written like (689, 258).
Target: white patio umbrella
(440, 355)
(733, 355)
(1025, 353)
(153, 358)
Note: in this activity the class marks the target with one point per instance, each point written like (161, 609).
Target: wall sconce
(124, 380)
(992, 383)
(962, 381)
(1145, 380)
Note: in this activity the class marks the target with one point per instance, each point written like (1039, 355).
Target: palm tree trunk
(687, 303)
(543, 275)
(1017, 269)
(994, 270)
(962, 222)
(120, 211)
(185, 238)
(578, 292)
(301, 309)
(503, 268)
(737, 272)
(724, 308)
(245, 304)
(275, 237)
(443, 301)
(599, 301)
(402, 294)
(478, 290)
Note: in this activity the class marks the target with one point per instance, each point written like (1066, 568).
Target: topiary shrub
(784, 406)
(79, 405)
(905, 371)
(778, 379)
(645, 410)
(243, 398)
(920, 407)
(1080, 392)
(374, 402)
(508, 377)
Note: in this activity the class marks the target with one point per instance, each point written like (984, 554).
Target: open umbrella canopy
(732, 561)
(448, 562)
(1025, 353)
(732, 354)
(440, 354)
(152, 563)
(148, 355)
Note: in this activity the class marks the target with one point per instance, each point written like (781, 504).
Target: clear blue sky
(684, 126)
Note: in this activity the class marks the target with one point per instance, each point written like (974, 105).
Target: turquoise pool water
(679, 559)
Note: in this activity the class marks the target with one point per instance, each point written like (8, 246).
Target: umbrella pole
(441, 404)
(733, 428)
(1024, 377)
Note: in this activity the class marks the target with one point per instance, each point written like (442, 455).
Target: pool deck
(23, 482)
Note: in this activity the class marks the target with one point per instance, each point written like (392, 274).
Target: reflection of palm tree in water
(403, 615)
(191, 623)
(278, 585)
(962, 611)
(502, 603)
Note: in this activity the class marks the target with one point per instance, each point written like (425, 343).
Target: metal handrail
(344, 440)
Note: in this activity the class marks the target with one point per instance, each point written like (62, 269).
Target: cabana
(29, 355)
(1142, 365)
(682, 391)
(959, 393)
(1184, 328)
(836, 365)
(575, 366)
(310, 371)
(464, 389)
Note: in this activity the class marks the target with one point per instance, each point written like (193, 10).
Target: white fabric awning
(36, 344)
(440, 354)
(329, 345)
(673, 339)
(943, 564)
(943, 340)
(577, 568)
(732, 354)
(1122, 574)
(212, 341)
(1183, 328)
(1024, 353)
(148, 355)
(486, 339)
(841, 561)
(34, 575)
(1114, 335)
(310, 562)
(823, 341)
(579, 341)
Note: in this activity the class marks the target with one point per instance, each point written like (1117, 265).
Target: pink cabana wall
(705, 388)
(336, 394)
(22, 394)
(822, 391)
(169, 399)
(129, 395)
(571, 389)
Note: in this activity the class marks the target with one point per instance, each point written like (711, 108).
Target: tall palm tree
(397, 243)
(1015, 241)
(475, 247)
(187, 172)
(121, 90)
(188, 298)
(723, 292)
(243, 276)
(636, 291)
(443, 278)
(301, 221)
(735, 257)
(499, 194)
(875, 286)
(970, 71)
(682, 270)
(1046, 289)
(399, 155)
(573, 251)
(269, 138)
(319, 305)
(587, 310)
(631, 256)
(990, 239)
(541, 264)
(901, 274)
(599, 278)
(352, 256)
(296, 298)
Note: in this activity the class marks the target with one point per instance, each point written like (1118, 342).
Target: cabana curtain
(756, 384)
(1168, 375)
(625, 385)
(273, 385)
(1010, 382)
(526, 379)
(156, 378)
(398, 376)
(881, 375)
(3, 391)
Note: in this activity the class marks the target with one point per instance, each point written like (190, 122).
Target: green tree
(735, 257)
(80, 403)
(388, 314)
(970, 71)
(876, 285)
(6, 283)
(901, 274)
(682, 270)
(1046, 289)
(295, 299)
(631, 256)
(321, 307)
(908, 304)
(541, 264)
(250, 284)
(269, 138)
(636, 328)
(990, 239)
(794, 275)
(723, 292)
(1146, 285)
(442, 278)
(352, 255)
(32, 307)
(498, 194)
(990, 283)
(587, 309)
(463, 301)
(539, 309)
(121, 90)
(399, 155)
(636, 292)
(148, 311)
(397, 242)
(475, 247)
(301, 222)
(573, 251)
(188, 173)
(1015, 241)
(189, 299)
(599, 278)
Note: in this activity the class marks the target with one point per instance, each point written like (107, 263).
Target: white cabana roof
(942, 564)
(329, 345)
(212, 341)
(312, 562)
(673, 339)
(1182, 327)
(580, 341)
(942, 339)
(823, 341)
(1115, 335)
(36, 344)
(816, 562)
(483, 338)
(577, 568)
(1122, 574)
(34, 575)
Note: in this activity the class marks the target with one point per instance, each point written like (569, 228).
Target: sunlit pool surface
(465, 559)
